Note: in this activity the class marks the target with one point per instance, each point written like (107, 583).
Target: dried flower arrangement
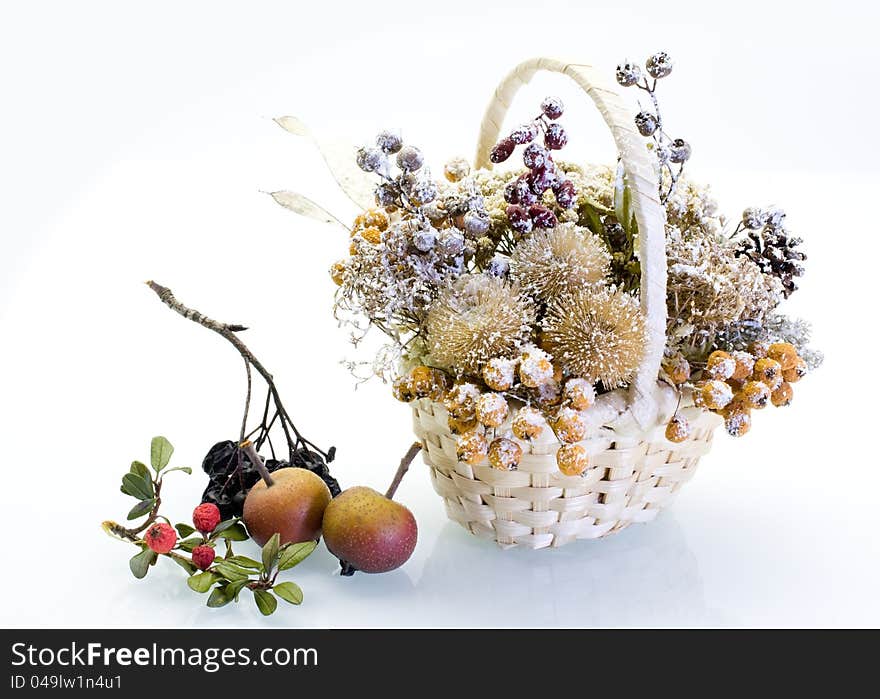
(512, 298)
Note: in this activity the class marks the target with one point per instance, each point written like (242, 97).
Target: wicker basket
(635, 471)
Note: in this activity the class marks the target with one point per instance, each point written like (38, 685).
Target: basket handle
(641, 174)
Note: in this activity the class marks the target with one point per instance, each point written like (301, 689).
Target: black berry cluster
(524, 194)
(231, 475)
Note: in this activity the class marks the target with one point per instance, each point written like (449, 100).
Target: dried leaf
(305, 207)
(340, 159)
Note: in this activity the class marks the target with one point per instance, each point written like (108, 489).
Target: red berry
(566, 194)
(518, 192)
(524, 134)
(524, 191)
(542, 217)
(541, 179)
(552, 107)
(556, 137)
(519, 218)
(206, 517)
(502, 150)
(161, 537)
(535, 155)
(203, 557)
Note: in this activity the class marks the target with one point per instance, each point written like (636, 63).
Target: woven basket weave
(635, 471)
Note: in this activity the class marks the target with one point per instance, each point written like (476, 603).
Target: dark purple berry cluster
(525, 194)
(231, 475)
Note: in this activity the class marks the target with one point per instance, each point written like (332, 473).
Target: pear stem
(248, 448)
(402, 469)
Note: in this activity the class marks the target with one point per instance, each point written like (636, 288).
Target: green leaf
(266, 602)
(139, 469)
(185, 469)
(142, 508)
(289, 592)
(234, 588)
(184, 530)
(137, 487)
(236, 532)
(140, 564)
(244, 562)
(189, 544)
(225, 524)
(270, 552)
(201, 582)
(185, 564)
(160, 453)
(231, 572)
(293, 554)
(220, 597)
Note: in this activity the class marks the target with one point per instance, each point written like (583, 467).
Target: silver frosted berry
(646, 123)
(369, 159)
(410, 159)
(659, 65)
(452, 243)
(423, 191)
(476, 223)
(425, 239)
(754, 218)
(664, 155)
(679, 151)
(628, 74)
(389, 141)
(386, 194)
(475, 202)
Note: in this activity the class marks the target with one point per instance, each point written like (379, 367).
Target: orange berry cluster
(367, 229)
(736, 383)
(476, 414)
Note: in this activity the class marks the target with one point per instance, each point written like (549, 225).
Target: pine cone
(775, 253)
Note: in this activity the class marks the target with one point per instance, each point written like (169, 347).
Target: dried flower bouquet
(521, 308)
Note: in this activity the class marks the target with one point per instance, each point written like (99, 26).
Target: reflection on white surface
(644, 574)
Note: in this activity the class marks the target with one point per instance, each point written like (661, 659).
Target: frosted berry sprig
(669, 151)
(225, 577)
(524, 194)
(408, 186)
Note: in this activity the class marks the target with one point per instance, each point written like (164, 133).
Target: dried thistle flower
(478, 318)
(549, 263)
(598, 335)
(708, 288)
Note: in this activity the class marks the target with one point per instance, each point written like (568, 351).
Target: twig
(228, 331)
(248, 448)
(402, 469)
(247, 401)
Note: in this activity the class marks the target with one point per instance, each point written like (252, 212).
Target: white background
(135, 143)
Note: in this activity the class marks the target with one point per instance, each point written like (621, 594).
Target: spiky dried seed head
(596, 334)
(552, 262)
(478, 318)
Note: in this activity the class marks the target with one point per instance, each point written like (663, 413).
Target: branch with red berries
(193, 547)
